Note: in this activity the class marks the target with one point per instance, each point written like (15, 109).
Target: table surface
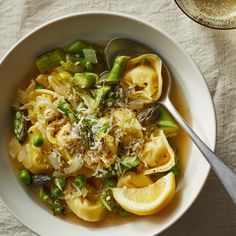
(214, 51)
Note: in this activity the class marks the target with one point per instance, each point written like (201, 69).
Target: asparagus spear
(129, 162)
(106, 197)
(148, 116)
(85, 80)
(77, 47)
(94, 103)
(75, 64)
(49, 60)
(166, 122)
(85, 132)
(100, 93)
(66, 110)
(117, 70)
(83, 127)
(19, 126)
(71, 64)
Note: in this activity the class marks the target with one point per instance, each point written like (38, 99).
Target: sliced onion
(136, 104)
(22, 154)
(58, 174)
(55, 158)
(90, 55)
(76, 164)
(102, 77)
(14, 148)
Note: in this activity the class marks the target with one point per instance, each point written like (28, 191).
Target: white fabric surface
(214, 51)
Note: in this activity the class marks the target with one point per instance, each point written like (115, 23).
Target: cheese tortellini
(143, 78)
(106, 156)
(33, 158)
(89, 210)
(158, 155)
(127, 126)
(85, 209)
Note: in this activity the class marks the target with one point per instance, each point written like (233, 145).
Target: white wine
(213, 13)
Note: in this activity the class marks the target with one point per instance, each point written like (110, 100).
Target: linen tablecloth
(214, 51)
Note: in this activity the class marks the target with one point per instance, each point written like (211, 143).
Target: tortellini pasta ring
(32, 157)
(158, 155)
(127, 122)
(84, 208)
(143, 78)
(33, 160)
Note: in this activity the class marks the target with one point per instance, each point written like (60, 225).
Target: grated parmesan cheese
(75, 165)
(55, 159)
(99, 173)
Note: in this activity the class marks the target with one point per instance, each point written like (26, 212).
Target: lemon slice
(147, 200)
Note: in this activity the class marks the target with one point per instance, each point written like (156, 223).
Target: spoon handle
(224, 173)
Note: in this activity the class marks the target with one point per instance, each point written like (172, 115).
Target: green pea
(105, 127)
(56, 192)
(110, 101)
(60, 182)
(38, 141)
(25, 176)
(90, 123)
(86, 65)
(80, 181)
(55, 204)
(58, 210)
(44, 196)
(39, 86)
(176, 168)
(58, 207)
(109, 183)
(123, 212)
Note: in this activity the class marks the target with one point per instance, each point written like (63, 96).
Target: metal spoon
(130, 47)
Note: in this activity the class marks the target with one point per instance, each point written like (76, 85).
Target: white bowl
(103, 26)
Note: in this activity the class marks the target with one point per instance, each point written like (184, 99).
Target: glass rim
(202, 23)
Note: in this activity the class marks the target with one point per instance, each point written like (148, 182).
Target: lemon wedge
(147, 200)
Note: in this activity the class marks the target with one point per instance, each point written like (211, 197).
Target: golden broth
(181, 142)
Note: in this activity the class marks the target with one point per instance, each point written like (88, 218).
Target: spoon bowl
(130, 47)
(123, 46)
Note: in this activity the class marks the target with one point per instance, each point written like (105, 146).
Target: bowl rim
(212, 145)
